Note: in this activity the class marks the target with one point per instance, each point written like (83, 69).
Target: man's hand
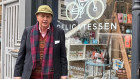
(63, 77)
(17, 78)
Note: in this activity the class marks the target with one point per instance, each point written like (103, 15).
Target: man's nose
(45, 18)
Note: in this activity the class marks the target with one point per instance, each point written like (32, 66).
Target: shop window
(98, 38)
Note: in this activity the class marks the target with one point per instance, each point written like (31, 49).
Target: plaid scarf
(47, 62)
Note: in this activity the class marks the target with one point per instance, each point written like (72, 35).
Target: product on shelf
(92, 34)
(103, 39)
(129, 17)
(95, 41)
(117, 64)
(88, 54)
(80, 54)
(85, 41)
(121, 73)
(120, 17)
(75, 40)
(124, 18)
(127, 41)
(76, 70)
(129, 31)
(76, 54)
(73, 54)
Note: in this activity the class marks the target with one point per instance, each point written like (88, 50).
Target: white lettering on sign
(89, 26)
(106, 26)
(94, 26)
(114, 26)
(100, 26)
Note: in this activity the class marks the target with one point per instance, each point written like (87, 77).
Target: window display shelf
(77, 78)
(77, 59)
(89, 77)
(96, 64)
(127, 24)
(91, 63)
(97, 44)
(114, 34)
(78, 52)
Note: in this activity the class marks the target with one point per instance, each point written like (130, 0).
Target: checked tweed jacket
(24, 65)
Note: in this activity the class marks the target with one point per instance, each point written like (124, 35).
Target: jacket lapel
(54, 38)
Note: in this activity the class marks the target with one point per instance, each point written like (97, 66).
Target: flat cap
(44, 9)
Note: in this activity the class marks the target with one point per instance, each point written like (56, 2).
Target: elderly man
(42, 53)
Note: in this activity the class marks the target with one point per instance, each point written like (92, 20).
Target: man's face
(44, 19)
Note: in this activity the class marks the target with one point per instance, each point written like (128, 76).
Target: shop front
(98, 38)
(98, 35)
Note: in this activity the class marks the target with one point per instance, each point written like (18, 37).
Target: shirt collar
(46, 31)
